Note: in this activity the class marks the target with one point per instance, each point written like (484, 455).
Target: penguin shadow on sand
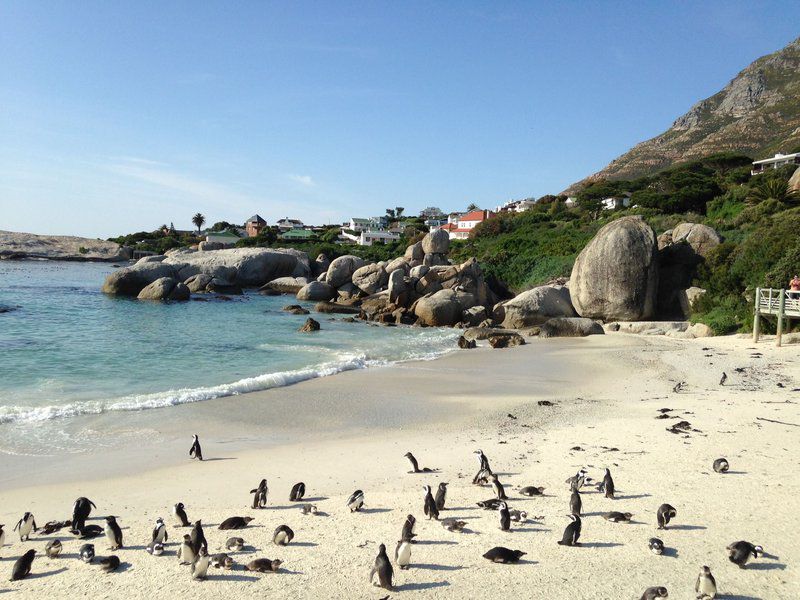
(599, 544)
(433, 567)
(435, 543)
(766, 566)
(736, 597)
(40, 574)
(670, 552)
(419, 586)
(631, 496)
(679, 527)
(372, 511)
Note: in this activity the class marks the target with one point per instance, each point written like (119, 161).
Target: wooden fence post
(757, 317)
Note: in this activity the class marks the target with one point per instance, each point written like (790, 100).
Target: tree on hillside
(390, 213)
(472, 206)
(198, 220)
(772, 189)
(398, 211)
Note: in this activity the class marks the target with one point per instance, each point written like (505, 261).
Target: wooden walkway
(781, 304)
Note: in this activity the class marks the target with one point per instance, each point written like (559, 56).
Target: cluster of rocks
(625, 274)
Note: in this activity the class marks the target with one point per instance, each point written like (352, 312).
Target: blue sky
(118, 117)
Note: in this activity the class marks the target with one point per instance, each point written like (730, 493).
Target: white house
(286, 224)
(776, 162)
(464, 224)
(432, 212)
(617, 202)
(226, 238)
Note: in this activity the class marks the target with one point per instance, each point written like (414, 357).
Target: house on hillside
(254, 225)
(776, 162)
(286, 224)
(297, 235)
(432, 212)
(617, 202)
(464, 224)
(226, 238)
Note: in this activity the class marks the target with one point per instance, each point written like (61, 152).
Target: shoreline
(606, 392)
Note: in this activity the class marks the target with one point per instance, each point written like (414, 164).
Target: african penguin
(383, 569)
(200, 565)
(160, 531)
(155, 548)
(283, 535)
(721, 465)
(196, 451)
(260, 494)
(86, 553)
(532, 490)
(113, 533)
(498, 488)
(575, 503)
(500, 554)
(740, 552)
(25, 525)
(402, 554)
(505, 517)
(198, 537)
(607, 485)
(429, 506)
(441, 495)
(408, 534)
(22, 566)
(222, 561)
(415, 465)
(656, 546)
(298, 491)
(235, 523)
(653, 593)
(355, 501)
(180, 515)
(235, 544)
(664, 514)
(452, 524)
(572, 532)
(81, 511)
(617, 517)
(110, 563)
(53, 548)
(263, 565)
(186, 552)
(706, 585)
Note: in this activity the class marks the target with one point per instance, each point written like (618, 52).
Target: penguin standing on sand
(180, 515)
(383, 569)
(653, 593)
(607, 485)
(415, 465)
(86, 553)
(576, 481)
(2, 537)
(575, 503)
(740, 552)
(355, 501)
(260, 495)
(200, 565)
(25, 525)
(22, 568)
(664, 514)
(297, 493)
(441, 495)
(196, 451)
(186, 552)
(430, 505)
(721, 465)
(484, 470)
(402, 554)
(160, 531)
(283, 535)
(81, 511)
(505, 517)
(572, 532)
(706, 585)
(113, 533)
(198, 537)
(53, 548)
(409, 527)
(656, 546)
(498, 488)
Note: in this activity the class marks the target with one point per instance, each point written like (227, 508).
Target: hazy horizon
(122, 117)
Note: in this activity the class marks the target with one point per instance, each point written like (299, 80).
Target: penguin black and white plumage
(179, 511)
(222, 561)
(283, 535)
(664, 514)
(740, 552)
(484, 470)
(160, 534)
(430, 505)
(576, 481)
(572, 532)
(483, 460)
(415, 465)
(22, 566)
(706, 585)
(656, 546)
(724, 378)
(441, 495)
(25, 525)
(653, 593)
(234, 544)
(198, 537)
(452, 524)
(196, 451)
(53, 548)
(89, 532)
(355, 501)
(721, 465)
(200, 565)
(409, 526)
(113, 533)
(86, 553)
(617, 517)
(532, 490)
(575, 503)
(81, 511)
(234, 523)
(502, 555)
(297, 492)
(309, 509)
(492, 504)
(498, 488)
(260, 494)
(383, 569)
(402, 554)
(155, 548)
(109, 563)
(518, 516)
(607, 486)
(505, 517)
(186, 552)
(263, 565)
(2, 537)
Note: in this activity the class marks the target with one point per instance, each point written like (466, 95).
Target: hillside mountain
(757, 113)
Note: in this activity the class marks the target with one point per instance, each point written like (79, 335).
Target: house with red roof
(460, 228)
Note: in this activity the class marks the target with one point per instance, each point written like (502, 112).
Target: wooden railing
(782, 304)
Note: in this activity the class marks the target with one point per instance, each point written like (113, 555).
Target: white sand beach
(351, 431)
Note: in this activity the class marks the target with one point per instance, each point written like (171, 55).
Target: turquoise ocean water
(67, 350)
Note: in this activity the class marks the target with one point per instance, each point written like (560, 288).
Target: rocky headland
(14, 245)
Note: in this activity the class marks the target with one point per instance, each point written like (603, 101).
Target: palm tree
(773, 189)
(399, 211)
(198, 221)
(472, 206)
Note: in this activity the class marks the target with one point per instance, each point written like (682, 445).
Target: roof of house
(288, 220)
(776, 158)
(476, 215)
(297, 233)
(256, 219)
(227, 234)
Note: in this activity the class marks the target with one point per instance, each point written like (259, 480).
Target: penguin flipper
(372, 574)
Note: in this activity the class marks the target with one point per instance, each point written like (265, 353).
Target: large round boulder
(536, 306)
(199, 282)
(316, 291)
(398, 263)
(244, 266)
(341, 269)
(443, 308)
(794, 181)
(414, 252)
(165, 288)
(131, 280)
(436, 242)
(615, 277)
(570, 327)
(285, 285)
(371, 278)
(700, 237)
